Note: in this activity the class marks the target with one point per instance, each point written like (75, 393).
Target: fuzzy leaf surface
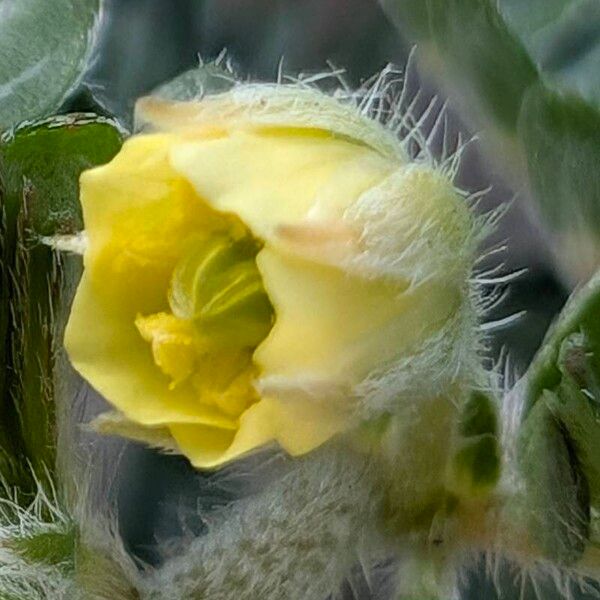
(527, 74)
(44, 50)
(559, 439)
(40, 164)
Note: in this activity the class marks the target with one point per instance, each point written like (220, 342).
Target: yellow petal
(279, 176)
(106, 348)
(139, 215)
(334, 326)
(331, 326)
(203, 446)
(297, 427)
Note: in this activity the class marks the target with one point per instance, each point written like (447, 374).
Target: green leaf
(40, 164)
(557, 507)
(527, 73)
(475, 50)
(562, 37)
(559, 439)
(44, 50)
(580, 315)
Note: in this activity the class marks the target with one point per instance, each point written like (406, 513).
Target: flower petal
(138, 215)
(106, 349)
(298, 427)
(333, 326)
(278, 176)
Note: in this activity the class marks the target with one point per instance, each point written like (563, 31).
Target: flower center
(219, 314)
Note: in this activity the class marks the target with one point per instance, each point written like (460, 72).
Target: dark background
(145, 42)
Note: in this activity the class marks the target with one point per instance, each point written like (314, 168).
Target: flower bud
(266, 265)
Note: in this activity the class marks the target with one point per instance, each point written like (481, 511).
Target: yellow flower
(267, 266)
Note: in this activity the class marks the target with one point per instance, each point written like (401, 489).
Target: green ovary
(219, 313)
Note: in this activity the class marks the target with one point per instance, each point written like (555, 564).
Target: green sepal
(99, 574)
(192, 85)
(48, 548)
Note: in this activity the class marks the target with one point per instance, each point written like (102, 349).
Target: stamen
(220, 314)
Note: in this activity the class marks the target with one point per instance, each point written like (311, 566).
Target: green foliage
(557, 507)
(580, 316)
(44, 50)
(479, 53)
(560, 134)
(527, 72)
(559, 441)
(40, 165)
